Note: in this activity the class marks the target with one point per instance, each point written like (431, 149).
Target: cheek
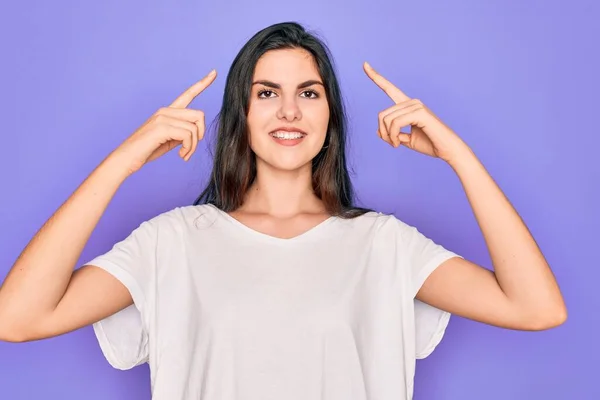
(257, 120)
(318, 116)
(261, 115)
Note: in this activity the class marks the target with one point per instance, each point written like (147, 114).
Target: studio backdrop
(518, 81)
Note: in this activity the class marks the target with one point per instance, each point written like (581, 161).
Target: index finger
(388, 87)
(190, 94)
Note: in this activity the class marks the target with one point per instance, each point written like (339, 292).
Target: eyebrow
(278, 86)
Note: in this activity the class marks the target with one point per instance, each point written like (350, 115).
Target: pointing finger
(388, 87)
(190, 94)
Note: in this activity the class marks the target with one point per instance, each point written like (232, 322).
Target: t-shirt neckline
(302, 236)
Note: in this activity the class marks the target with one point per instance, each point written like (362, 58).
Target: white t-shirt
(224, 312)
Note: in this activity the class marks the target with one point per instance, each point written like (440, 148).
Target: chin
(286, 159)
(285, 163)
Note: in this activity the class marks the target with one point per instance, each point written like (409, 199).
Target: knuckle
(159, 118)
(389, 123)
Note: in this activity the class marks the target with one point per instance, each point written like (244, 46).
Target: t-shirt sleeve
(423, 257)
(123, 337)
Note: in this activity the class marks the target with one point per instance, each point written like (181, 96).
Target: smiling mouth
(284, 135)
(285, 138)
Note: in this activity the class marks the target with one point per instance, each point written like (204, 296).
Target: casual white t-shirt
(224, 312)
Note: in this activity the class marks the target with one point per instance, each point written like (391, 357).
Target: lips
(288, 129)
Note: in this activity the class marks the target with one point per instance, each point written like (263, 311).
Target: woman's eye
(262, 92)
(312, 94)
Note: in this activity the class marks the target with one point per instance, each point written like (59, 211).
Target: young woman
(273, 285)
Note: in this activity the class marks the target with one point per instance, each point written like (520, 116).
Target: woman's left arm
(521, 293)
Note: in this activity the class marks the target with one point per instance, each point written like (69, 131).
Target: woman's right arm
(41, 296)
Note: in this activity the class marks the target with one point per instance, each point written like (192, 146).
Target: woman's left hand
(428, 134)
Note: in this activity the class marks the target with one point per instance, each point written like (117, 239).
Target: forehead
(289, 65)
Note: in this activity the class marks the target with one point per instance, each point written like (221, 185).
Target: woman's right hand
(167, 128)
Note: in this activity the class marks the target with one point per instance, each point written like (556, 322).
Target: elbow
(11, 332)
(549, 319)
(12, 336)
(13, 339)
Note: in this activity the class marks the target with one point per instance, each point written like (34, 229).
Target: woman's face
(287, 94)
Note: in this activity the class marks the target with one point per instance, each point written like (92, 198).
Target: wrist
(117, 165)
(461, 158)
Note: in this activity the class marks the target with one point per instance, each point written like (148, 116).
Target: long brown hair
(234, 165)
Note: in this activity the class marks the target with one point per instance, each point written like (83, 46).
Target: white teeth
(287, 135)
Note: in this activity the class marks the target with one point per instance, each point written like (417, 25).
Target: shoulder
(378, 223)
(182, 217)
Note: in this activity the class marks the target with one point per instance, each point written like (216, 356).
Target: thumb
(404, 138)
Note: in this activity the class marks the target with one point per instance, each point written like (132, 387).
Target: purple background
(517, 81)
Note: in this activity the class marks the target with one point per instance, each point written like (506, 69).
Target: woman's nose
(289, 110)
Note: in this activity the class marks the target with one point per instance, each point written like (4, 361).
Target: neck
(281, 193)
